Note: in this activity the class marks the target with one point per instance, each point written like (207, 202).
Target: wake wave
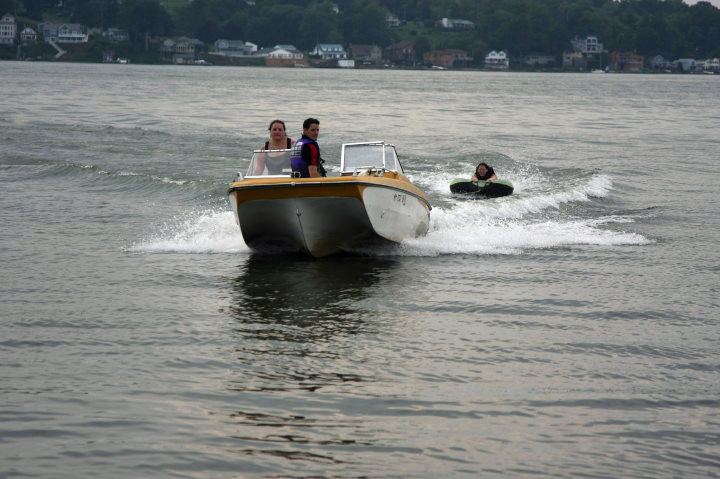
(528, 219)
(515, 237)
(524, 202)
(532, 218)
(209, 231)
(132, 176)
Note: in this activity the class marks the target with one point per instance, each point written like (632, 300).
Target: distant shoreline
(367, 67)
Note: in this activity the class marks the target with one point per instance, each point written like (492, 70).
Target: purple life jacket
(297, 163)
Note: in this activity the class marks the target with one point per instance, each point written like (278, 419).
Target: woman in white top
(279, 140)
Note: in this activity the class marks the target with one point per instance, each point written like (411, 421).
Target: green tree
(9, 6)
(142, 18)
(422, 46)
(669, 27)
(319, 24)
(35, 8)
(274, 24)
(234, 28)
(704, 28)
(364, 22)
(93, 13)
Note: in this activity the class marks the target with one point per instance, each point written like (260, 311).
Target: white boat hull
(396, 215)
(323, 225)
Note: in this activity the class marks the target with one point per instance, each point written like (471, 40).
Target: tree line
(648, 27)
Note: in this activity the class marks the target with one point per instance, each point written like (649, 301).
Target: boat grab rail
(259, 165)
(369, 171)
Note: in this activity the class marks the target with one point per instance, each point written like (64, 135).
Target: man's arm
(310, 155)
(313, 170)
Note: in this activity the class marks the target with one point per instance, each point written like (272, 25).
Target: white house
(685, 64)
(116, 35)
(588, 45)
(181, 50)
(72, 33)
(235, 48)
(539, 59)
(28, 35)
(330, 51)
(63, 33)
(454, 24)
(287, 52)
(8, 29)
(658, 62)
(497, 60)
(392, 20)
(713, 65)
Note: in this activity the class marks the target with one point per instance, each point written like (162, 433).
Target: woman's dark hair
(487, 167)
(308, 122)
(277, 121)
(487, 174)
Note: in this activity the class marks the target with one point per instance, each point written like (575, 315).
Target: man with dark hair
(306, 161)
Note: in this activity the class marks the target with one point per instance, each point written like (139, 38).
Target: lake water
(569, 330)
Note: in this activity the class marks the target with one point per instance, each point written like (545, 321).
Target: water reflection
(297, 320)
(299, 300)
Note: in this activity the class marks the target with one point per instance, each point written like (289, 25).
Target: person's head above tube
(484, 172)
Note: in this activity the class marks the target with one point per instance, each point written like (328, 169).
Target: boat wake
(540, 215)
(453, 236)
(209, 231)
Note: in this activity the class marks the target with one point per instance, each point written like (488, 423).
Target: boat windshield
(270, 163)
(360, 156)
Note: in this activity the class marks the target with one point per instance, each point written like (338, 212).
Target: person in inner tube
(484, 172)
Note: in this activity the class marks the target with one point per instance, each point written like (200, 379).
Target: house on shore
(28, 36)
(365, 54)
(539, 60)
(659, 63)
(329, 51)
(234, 48)
(497, 60)
(588, 45)
(626, 62)
(181, 50)
(63, 33)
(401, 53)
(283, 56)
(116, 35)
(454, 24)
(584, 49)
(574, 61)
(685, 65)
(447, 58)
(8, 29)
(392, 20)
(712, 65)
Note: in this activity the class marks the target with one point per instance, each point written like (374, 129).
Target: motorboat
(370, 203)
(482, 189)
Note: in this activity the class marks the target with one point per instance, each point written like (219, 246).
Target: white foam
(161, 179)
(507, 225)
(199, 232)
(452, 234)
(528, 219)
